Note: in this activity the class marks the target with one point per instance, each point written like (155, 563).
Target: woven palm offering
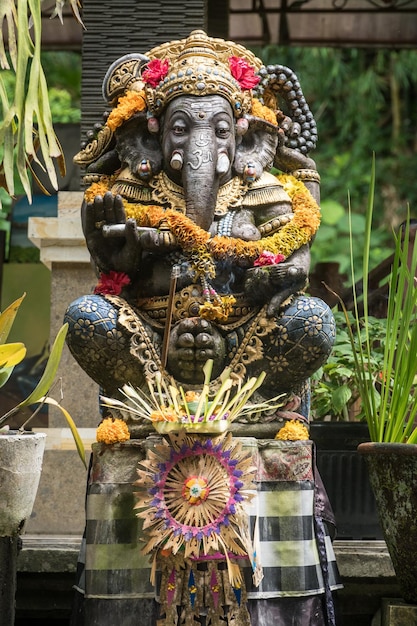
(193, 492)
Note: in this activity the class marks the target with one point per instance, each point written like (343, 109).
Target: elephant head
(198, 147)
(199, 123)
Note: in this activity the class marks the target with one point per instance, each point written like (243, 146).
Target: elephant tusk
(223, 164)
(177, 160)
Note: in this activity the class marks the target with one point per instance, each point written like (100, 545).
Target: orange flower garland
(128, 105)
(264, 112)
(192, 238)
(134, 101)
(99, 189)
(206, 249)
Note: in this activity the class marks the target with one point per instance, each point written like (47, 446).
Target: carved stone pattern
(95, 148)
(141, 345)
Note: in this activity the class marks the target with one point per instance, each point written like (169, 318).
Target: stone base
(397, 613)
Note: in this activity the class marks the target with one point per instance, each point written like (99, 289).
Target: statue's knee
(88, 317)
(310, 321)
(302, 341)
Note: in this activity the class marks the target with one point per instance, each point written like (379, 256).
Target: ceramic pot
(21, 456)
(393, 476)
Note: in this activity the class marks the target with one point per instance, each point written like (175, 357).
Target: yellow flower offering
(112, 431)
(164, 414)
(293, 431)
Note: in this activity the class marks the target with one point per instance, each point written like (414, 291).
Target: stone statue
(200, 250)
(200, 207)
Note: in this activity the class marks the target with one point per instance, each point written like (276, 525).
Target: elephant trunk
(201, 180)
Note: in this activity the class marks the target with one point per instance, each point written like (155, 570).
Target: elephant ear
(123, 75)
(98, 154)
(257, 147)
(280, 88)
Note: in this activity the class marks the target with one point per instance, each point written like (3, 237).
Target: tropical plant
(11, 354)
(335, 394)
(388, 395)
(26, 131)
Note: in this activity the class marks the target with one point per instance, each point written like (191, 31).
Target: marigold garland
(99, 189)
(135, 101)
(191, 237)
(293, 431)
(206, 249)
(129, 104)
(264, 112)
(112, 431)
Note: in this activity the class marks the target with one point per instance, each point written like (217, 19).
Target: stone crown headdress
(201, 65)
(198, 65)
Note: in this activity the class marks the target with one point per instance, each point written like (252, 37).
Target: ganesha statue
(200, 208)
(201, 203)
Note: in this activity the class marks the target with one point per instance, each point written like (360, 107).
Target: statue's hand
(287, 279)
(158, 241)
(288, 160)
(273, 284)
(192, 342)
(285, 273)
(110, 253)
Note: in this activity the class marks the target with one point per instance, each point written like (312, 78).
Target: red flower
(155, 71)
(243, 72)
(269, 258)
(111, 283)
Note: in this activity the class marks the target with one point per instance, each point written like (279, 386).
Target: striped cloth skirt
(295, 549)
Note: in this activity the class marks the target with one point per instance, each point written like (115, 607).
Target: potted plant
(16, 445)
(389, 400)
(21, 454)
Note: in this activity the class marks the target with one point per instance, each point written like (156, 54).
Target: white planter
(21, 456)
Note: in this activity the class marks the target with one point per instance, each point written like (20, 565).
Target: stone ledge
(365, 560)
(48, 554)
(60, 239)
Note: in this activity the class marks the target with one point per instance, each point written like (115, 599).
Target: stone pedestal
(396, 612)
(59, 507)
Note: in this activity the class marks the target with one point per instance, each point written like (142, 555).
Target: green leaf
(341, 397)
(49, 374)
(331, 212)
(5, 375)
(78, 441)
(341, 371)
(8, 15)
